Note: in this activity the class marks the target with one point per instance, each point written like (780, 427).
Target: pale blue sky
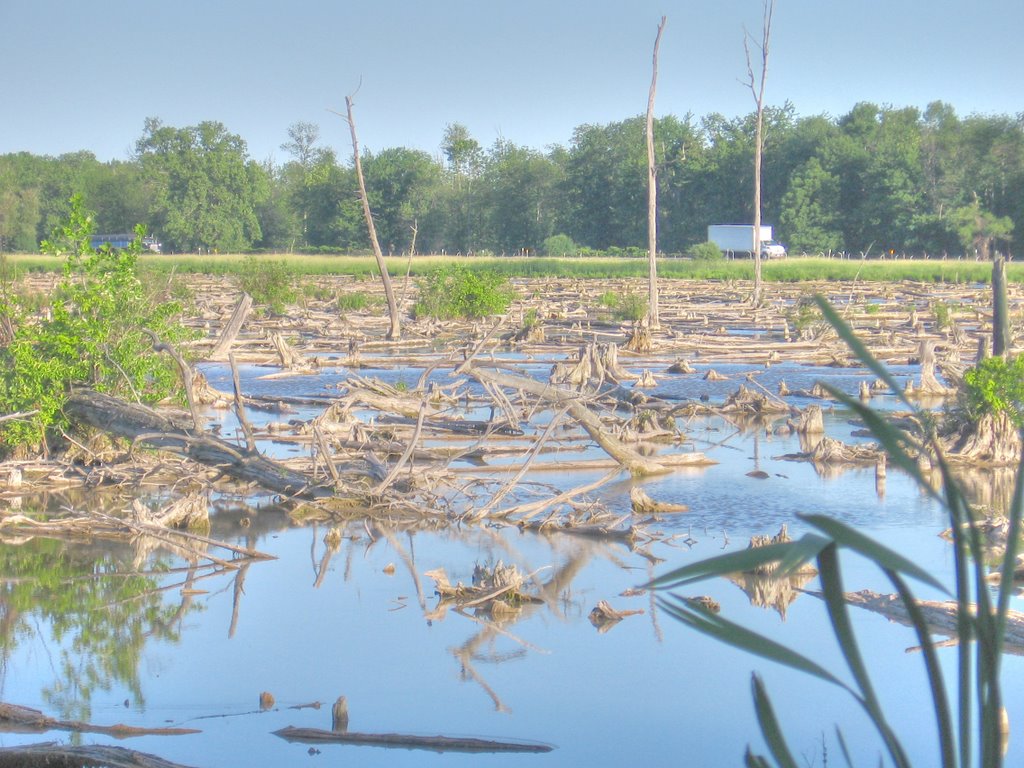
(85, 75)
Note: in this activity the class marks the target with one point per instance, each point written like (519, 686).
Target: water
(89, 634)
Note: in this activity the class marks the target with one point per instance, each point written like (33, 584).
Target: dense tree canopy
(876, 179)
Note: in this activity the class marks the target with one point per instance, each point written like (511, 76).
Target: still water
(112, 633)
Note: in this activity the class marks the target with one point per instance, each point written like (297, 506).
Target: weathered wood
(939, 615)
(630, 459)
(231, 328)
(50, 755)
(17, 717)
(144, 425)
(408, 741)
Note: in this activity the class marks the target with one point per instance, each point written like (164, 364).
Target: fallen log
(939, 615)
(637, 464)
(16, 718)
(51, 755)
(144, 425)
(408, 741)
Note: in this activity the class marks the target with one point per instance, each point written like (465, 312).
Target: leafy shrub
(456, 291)
(95, 335)
(624, 306)
(351, 302)
(269, 282)
(995, 385)
(560, 245)
(706, 252)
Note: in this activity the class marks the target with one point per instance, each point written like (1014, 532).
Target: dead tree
(652, 192)
(395, 331)
(756, 85)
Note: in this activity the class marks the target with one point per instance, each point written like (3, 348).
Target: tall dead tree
(756, 85)
(395, 331)
(652, 193)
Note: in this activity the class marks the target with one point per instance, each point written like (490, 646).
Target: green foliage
(559, 245)
(995, 385)
(629, 306)
(706, 251)
(968, 718)
(268, 281)
(456, 291)
(352, 302)
(942, 313)
(95, 335)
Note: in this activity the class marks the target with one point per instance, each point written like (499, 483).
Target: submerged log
(144, 425)
(14, 717)
(50, 755)
(408, 741)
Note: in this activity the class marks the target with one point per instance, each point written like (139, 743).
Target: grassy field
(788, 270)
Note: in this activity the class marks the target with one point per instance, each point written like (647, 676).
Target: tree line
(878, 179)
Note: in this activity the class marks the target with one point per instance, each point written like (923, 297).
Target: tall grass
(968, 709)
(788, 270)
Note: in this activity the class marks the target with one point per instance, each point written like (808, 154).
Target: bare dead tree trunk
(1000, 312)
(652, 192)
(396, 329)
(756, 85)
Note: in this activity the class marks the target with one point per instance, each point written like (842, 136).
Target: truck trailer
(738, 239)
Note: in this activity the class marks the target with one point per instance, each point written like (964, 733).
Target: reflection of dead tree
(764, 588)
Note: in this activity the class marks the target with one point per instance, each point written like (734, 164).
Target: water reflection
(93, 610)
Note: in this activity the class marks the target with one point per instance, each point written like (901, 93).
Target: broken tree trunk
(144, 425)
(232, 328)
(395, 331)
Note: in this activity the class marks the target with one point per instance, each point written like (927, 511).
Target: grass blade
(940, 702)
(887, 559)
(770, 725)
(744, 560)
(846, 334)
(832, 591)
(740, 637)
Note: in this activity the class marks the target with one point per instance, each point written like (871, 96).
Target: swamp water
(112, 634)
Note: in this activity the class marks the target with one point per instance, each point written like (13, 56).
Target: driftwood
(144, 425)
(643, 504)
(407, 741)
(14, 717)
(51, 755)
(630, 459)
(232, 327)
(604, 617)
(939, 615)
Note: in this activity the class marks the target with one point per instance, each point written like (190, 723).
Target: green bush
(624, 306)
(995, 385)
(351, 302)
(95, 335)
(560, 245)
(456, 291)
(268, 281)
(706, 252)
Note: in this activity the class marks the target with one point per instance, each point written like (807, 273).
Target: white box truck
(735, 239)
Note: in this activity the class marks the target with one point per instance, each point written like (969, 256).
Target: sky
(80, 75)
